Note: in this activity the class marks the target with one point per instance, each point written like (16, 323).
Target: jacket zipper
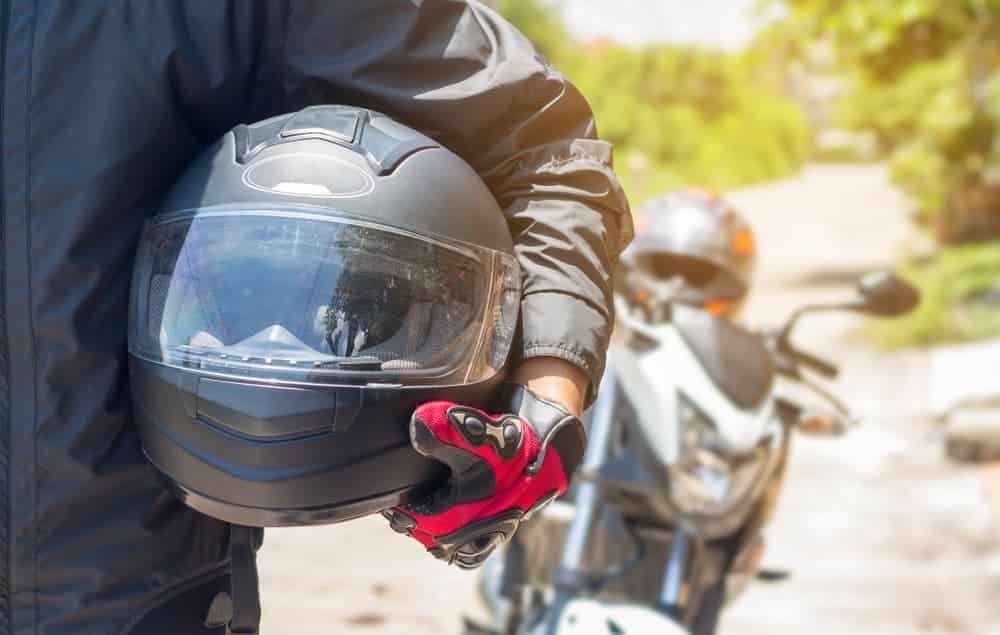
(5, 424)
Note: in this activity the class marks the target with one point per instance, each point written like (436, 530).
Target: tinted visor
(302, 296)
(703, 278)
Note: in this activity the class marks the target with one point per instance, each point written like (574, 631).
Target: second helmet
(698, 240)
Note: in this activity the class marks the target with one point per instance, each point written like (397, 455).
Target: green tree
(924, 75)
(538, 21)
(676, 115)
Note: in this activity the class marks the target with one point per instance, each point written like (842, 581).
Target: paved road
(881, 536)
(880, 533)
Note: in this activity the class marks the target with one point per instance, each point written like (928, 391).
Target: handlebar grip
(822, 367)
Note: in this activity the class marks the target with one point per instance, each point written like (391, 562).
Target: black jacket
(103, 103)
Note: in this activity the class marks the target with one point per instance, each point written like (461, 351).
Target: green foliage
(677, 116)
(696, 117)
(924, 75)
(538, 22)
(958, 300)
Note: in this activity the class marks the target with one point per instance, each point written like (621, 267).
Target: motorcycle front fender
(590, 617)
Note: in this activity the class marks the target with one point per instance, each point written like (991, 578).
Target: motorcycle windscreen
(301, 296)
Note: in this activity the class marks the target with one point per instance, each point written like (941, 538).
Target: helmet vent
(309, 175)
(305, 189)
(382, 142)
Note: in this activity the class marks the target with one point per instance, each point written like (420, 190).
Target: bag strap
(239, 609)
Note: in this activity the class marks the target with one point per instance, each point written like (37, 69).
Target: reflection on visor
(284, 293)
(274, 345)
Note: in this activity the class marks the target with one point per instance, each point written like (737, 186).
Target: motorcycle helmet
(691, 247)
(307, 283)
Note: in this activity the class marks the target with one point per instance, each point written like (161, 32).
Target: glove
(504, 468)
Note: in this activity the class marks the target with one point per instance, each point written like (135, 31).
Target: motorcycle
(689, 441)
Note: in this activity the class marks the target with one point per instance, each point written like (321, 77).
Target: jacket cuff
(560, 325)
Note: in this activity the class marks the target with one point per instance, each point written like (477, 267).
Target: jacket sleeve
(459, 72)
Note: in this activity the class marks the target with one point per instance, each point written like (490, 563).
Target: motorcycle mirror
(881, 294)
(885, 294)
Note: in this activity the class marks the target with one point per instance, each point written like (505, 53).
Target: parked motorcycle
(689, 440)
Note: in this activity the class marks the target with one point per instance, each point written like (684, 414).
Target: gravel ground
(879, 533)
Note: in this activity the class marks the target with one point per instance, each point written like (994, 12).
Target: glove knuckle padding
(504, 434)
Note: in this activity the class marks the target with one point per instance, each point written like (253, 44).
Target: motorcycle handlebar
(788, 359)
(777, 341)
(820, 366)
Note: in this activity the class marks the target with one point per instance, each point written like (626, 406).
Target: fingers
(470, 546)
(441, 447)
(472, 477)
(399, 521)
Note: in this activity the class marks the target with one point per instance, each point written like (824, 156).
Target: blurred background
(854, 135)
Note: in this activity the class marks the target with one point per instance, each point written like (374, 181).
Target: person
(103, 105)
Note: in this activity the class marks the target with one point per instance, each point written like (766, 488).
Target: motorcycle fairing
(737, 361)
(653, 377)
(591, 617)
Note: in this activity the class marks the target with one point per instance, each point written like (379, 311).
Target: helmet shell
(350, 162)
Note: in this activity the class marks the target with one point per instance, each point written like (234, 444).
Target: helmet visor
(302, 296)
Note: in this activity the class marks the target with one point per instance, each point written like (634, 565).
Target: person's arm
(555, 380)
(462, 74)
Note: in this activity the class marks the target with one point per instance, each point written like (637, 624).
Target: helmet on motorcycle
(695, 248)
(309, 281)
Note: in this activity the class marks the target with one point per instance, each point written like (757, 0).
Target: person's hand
(503, 468)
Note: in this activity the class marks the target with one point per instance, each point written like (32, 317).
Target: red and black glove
(503, 468)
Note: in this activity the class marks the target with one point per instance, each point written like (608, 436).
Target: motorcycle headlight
(708, 479)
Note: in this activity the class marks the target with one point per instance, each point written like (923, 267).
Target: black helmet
(309, 281)
(692, 247)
